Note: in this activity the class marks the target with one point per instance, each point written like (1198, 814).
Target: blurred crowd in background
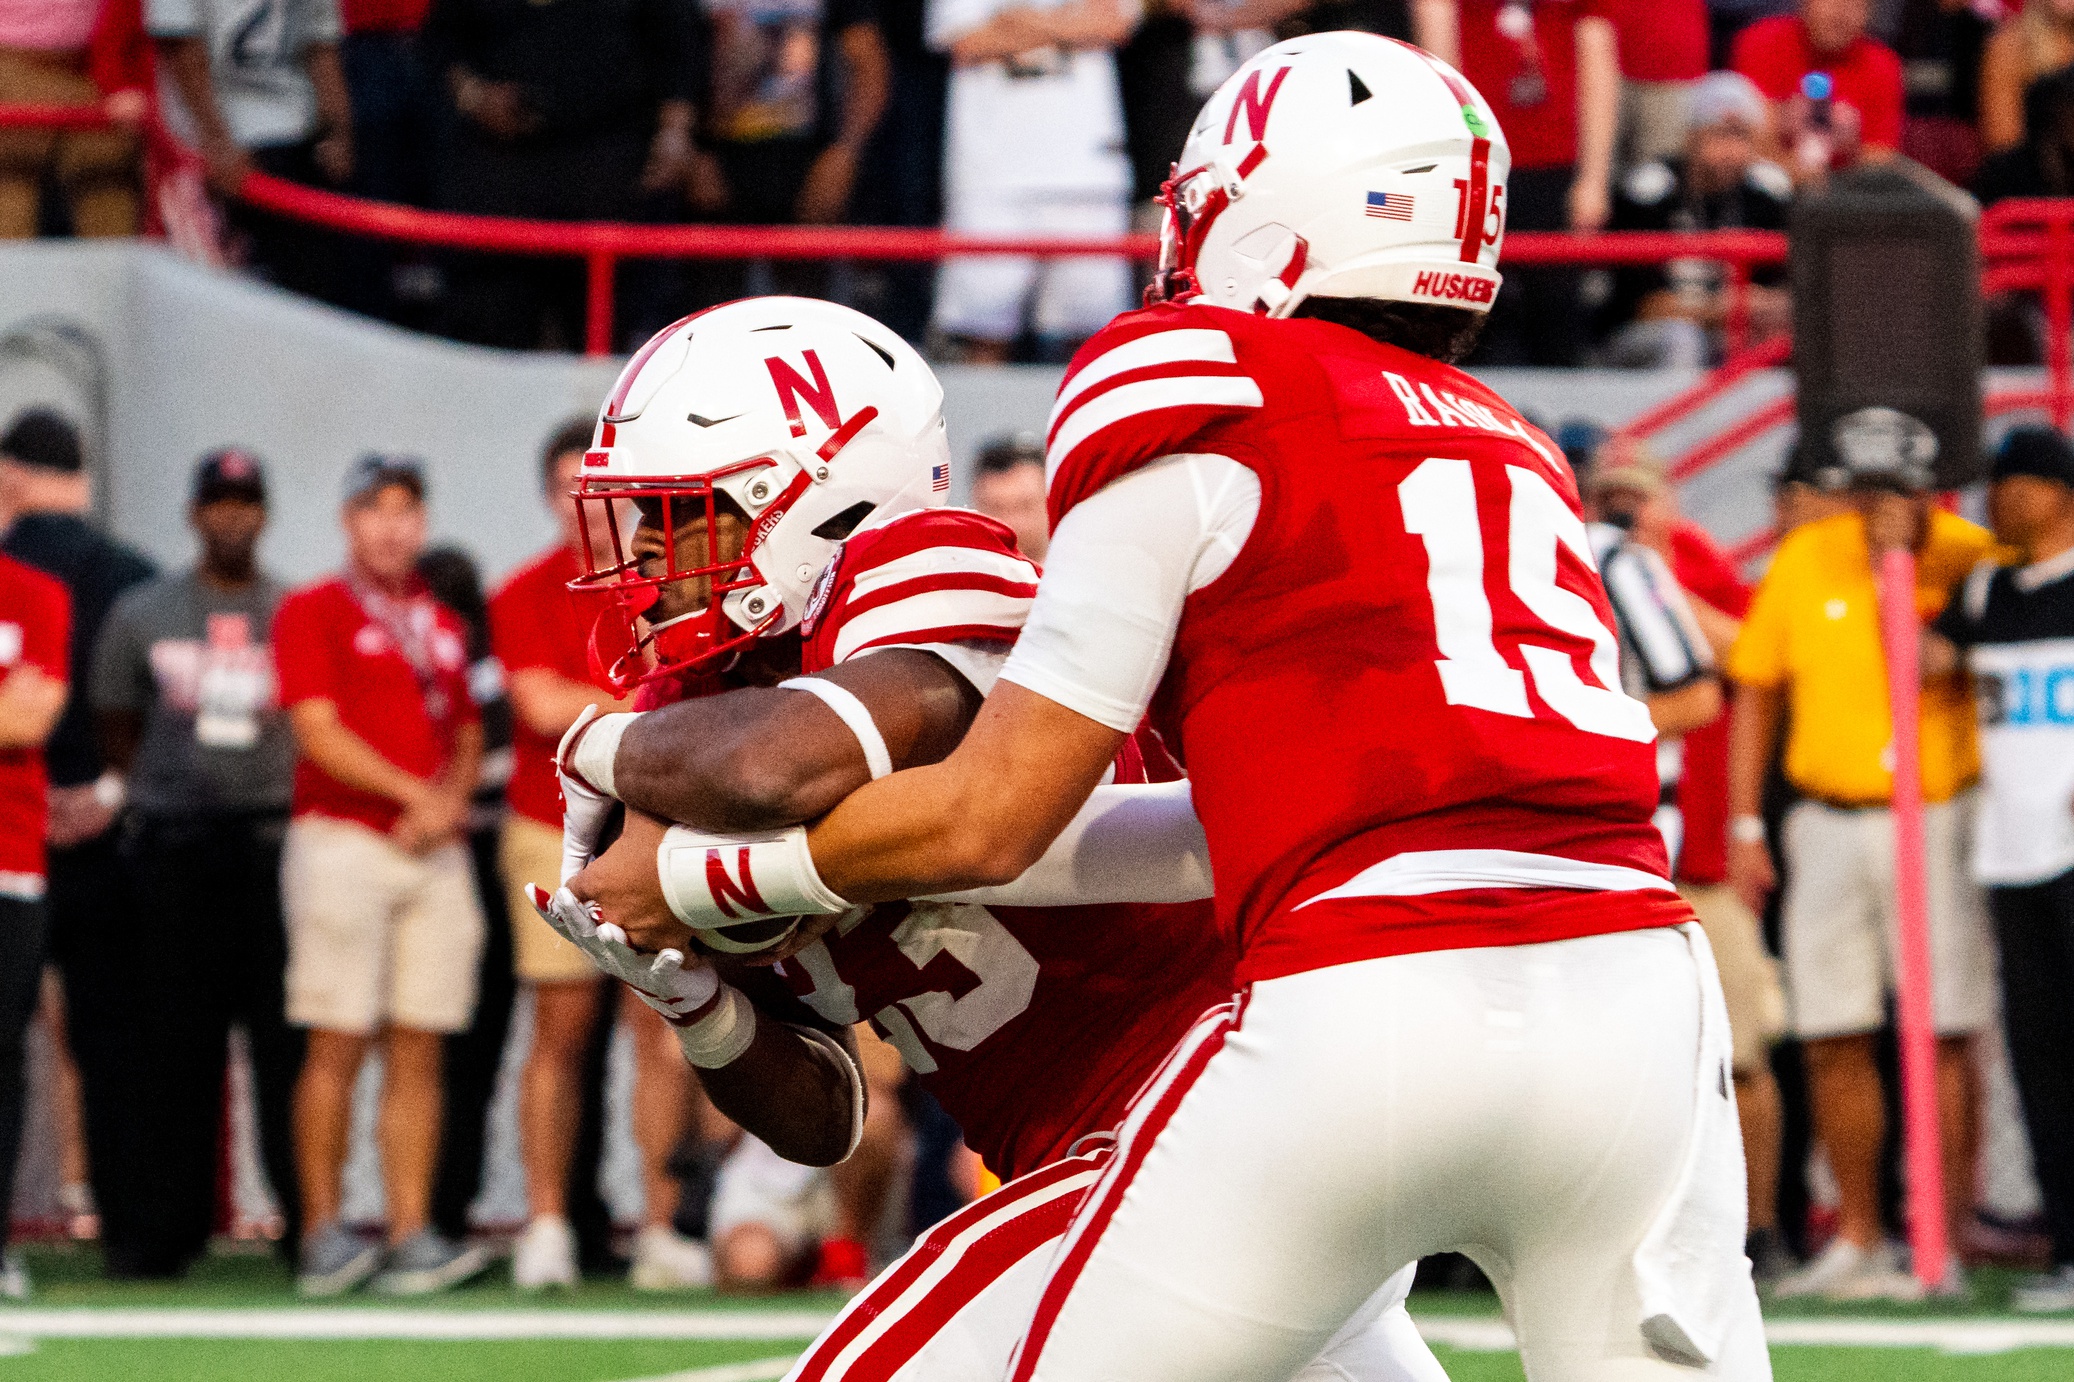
(995, 117)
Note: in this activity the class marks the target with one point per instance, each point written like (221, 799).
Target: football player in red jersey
(1034, 1025)
(1353, 590)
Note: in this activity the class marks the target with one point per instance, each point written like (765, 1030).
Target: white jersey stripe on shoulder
(944, 561)
(1159, 348)
(1146, 396)
(1423, 872)
(909, 620)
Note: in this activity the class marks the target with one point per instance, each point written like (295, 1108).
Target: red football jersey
(1405, 690)
(1032, 1026)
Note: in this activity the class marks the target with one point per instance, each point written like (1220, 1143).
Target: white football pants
(1561, 1113)
(953, 1308)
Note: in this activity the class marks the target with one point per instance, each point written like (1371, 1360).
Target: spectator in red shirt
(384, 930)
(1663, 51)
(1551, 73)
(35, 629)
(1860, 118)
(542, 637)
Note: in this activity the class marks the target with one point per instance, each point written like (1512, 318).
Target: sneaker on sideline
(14, 1277)
(427, 1262)
(334, 1261)
(1843, 1271)
(545, 1255)
(665, 1260)
(2048, 1294)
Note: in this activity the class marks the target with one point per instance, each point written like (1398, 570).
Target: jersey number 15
(1439, 503)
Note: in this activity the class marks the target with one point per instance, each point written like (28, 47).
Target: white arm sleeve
(1121, 564)
(1134, 842)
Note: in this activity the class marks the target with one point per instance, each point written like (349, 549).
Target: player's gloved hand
(714, 1021)
(729, 887)
(584, 762)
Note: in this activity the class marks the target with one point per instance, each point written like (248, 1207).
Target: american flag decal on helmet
(940, 478)
(1391, 206)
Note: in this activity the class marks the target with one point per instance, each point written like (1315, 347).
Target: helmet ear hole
(841, 525)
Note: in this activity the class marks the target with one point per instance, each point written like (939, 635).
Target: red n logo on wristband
(725, 889)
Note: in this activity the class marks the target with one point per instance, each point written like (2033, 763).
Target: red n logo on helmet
(1256, 105)
(819, 395)
(726, 890)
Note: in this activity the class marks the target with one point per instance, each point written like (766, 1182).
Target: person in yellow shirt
(1810, 656)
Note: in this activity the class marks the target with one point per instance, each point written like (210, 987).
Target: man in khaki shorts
(1811, 645)
(543, 640)
(384, 931)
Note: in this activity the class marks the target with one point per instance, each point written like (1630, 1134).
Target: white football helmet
(807, 418)
(1337, 165)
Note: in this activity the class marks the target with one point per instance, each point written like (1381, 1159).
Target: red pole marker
(1918, 1035)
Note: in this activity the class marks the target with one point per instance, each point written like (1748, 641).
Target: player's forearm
(1753, 733)
(1135, 842)
(764, 758)
(979, 818)
(789, 1091)
(726, 763)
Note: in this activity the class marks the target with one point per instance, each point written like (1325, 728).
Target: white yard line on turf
(1947, 1336)
(762, 1370)
(1476, 1333)
(355, 1323)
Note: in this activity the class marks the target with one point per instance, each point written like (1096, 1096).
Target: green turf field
(237, 1319)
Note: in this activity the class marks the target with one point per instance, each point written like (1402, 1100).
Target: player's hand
(1750, 872)
(624, 884)
(679, 988)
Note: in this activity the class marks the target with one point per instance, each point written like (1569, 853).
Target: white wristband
(720, 1037)
(1747, 830)
(854, 713)
(599, 747)
(715, 881)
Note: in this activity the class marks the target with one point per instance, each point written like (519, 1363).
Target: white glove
(715, 1022)
(586, 800)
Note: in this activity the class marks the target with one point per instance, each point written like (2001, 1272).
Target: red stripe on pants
(1100, 1206)
(885, 1293)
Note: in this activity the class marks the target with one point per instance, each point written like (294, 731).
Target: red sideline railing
(603, 244)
